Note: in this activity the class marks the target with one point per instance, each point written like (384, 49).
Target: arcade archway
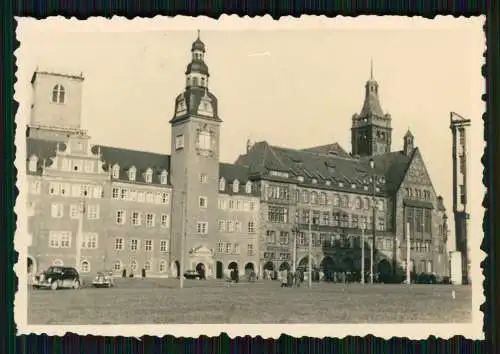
(219, 270)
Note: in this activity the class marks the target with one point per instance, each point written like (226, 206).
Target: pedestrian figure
(284, 277)
(143, 273)
(124, 273)
(290, 279)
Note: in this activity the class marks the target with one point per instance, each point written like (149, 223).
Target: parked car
(58, 277)
(192, 274)
(103, 280)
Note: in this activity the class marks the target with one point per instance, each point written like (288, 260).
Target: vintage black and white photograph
(306, 176)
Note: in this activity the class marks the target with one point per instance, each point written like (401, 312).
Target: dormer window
(236, 186)
(163, 177)
(148, 176)
(300, 178)
(33, 163)
(115, 173)
(353, 186)
(248, 187)
(131, 173)
(58, 94)
(314, 181)
(328, 183)
(222, 184)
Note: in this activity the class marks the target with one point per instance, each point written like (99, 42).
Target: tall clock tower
(371, 131)
(194, 167)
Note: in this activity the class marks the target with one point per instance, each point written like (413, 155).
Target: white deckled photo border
(471, 330)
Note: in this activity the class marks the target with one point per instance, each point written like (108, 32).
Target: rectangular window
(229, 247)
(89, 166)
(419, 221)
(222, 225)
(148, 245)
(140, 197)
(150, 220)
(283, 237)
(149, 197)
(230, 226)
(97, 192)
(238, 205)
(158, 198)
(73, 211)
(202, 202)
(251, 227)
(89, 241)
(203, 178)
(202, 227)
(428, 221)
(179, 142)
(75, 190)
(222, 204)
(93, 212)
(65, 189)
(115, 193)
(36, 187)
(250, 251)
(231, 204)
(252, 205)
(237, 226)
(135, 218)
(124, 194)
(278, 215)
(354, 221)
(134, 245)
(236, 248)
(57, 210)
(120, 217)
(60, 239)
(119, 244)
(164, 246)
(164, 198)
(133, 196)
(316, 217)
(54, 188)
(325, 218)
(270, 236)
(381, 224)
(302, 239)
(165, 222)
(220, 247)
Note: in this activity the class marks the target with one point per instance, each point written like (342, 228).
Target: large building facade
(101, 207)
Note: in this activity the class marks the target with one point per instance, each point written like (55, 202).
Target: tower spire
(198, 33)
(371, 69)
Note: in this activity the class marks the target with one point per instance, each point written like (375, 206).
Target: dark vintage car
(58, 277)
(103, 280)
(192, 274)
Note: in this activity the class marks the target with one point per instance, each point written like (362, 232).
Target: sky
(294, 82)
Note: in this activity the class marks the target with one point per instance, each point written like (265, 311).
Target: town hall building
(110, 208)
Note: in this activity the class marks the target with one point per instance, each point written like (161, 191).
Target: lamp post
(79, 233)
(372, 167)
(295, 232)
(309, 257)
(363, 253)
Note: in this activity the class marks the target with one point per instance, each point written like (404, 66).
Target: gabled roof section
(340, 171)
(44, 150)
(233, 172)
(141, 160)
(334, 149)
(193, 96)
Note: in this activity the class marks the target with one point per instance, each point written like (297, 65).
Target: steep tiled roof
(232, 172)
(334, 148)
(141, 160)
(192, 97)
(43, 150)
(326, 167)
(371, 105)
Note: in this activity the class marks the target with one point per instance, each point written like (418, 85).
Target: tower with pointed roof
(371, 131)
(195, 164)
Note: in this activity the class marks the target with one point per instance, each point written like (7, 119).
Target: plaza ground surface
(156, 301)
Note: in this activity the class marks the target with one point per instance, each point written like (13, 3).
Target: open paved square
(157, 301)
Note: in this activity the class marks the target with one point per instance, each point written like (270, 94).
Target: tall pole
(363, 254)
(408, 253)
(183, 232)
(373, 221)
(294, 254)
(309, 277)
(79, 233)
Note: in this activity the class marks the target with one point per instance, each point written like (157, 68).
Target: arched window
(147, 266)
(344, 202)
(115, 173)
(58, 94)
(236, 186)
(336, 200)
(322, 198)
(305, 196)
(366, 203)
(314, 197)
(162, 266)
(117, 266)
(222, 184)
(163, 177)
(149, 175)
(85, 266)
(33, 163)
(195, 81)
(57, 263)
(358, 203)
(131, 173)
(203, 82)
(248, 187)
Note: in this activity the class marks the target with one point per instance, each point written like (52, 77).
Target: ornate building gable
(417, 173)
